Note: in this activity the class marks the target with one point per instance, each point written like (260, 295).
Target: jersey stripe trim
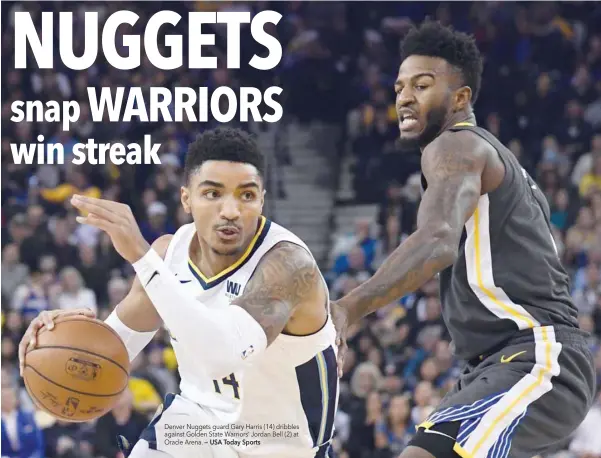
(323, 382)
(478, 259)
(254, 245)
(506, 413)
(318, 388)
(149, 433)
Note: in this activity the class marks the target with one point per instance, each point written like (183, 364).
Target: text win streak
(90, 153)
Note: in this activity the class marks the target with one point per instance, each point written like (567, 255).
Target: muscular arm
(227, 338)
(452, 165)
(286, 278)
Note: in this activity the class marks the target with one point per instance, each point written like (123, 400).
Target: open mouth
(228, 233)
(408, 121)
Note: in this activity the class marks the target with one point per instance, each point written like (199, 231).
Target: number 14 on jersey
(231, 380)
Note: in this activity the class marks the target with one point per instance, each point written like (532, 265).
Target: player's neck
(459, 117)
(209, 262)
(454, 119)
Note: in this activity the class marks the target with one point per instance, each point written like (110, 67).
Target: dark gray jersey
(508, 276)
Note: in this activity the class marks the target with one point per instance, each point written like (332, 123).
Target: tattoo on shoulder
(451, 155)
(284, 279)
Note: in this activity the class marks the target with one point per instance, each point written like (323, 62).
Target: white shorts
(181, 429)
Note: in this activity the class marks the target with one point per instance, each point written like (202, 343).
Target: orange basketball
(78, 370)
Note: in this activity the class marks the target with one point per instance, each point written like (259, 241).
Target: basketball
(78, 370)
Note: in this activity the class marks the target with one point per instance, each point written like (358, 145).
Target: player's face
(225, 200)
(426, 97)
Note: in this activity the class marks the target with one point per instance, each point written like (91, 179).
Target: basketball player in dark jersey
(483, 227)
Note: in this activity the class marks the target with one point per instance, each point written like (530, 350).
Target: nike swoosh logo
(512, 357)
(429, 431)
(156, 272)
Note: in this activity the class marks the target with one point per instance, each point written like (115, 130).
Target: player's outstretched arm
(452, 165)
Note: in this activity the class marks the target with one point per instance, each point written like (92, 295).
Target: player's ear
(463, 97)
(185, 198)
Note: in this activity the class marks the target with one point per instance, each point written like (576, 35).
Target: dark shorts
(519, 401)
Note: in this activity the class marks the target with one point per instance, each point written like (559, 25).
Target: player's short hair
(223, 144)
(457, 48)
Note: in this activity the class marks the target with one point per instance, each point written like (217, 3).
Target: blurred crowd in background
(541, 95)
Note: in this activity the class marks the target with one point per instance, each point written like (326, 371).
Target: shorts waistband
(563, 334)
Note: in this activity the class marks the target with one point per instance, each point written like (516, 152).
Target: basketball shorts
(518, 401)
(180, 429)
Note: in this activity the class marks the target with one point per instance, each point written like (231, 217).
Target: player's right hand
(45, 318)
(340, 319)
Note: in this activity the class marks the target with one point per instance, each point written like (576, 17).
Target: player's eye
(248, 195)
(421, 87)
(211, 194)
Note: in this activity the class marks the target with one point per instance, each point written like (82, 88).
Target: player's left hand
(340, 319)
(117, 220)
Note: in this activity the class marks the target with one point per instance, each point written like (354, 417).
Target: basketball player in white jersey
(245, 305)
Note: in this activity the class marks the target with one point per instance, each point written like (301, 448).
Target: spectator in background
(77, 183)
(18, 230)
(573, 131)
(146, 397)
(93, 272)
(156, 372)
(352, 266)
(117, 290)
(397, 215)
(60, 244)
(32, 297)
(554, 156)
(424, 402)
(394, 431)
(65, 439)
(581, 238)
(360, 237)
(122, 420)
(587, 440)
(364, 420)
(13, 272)
(157, 223)
(74, 294)
(559, 209)
(591, 181)
(21, 437)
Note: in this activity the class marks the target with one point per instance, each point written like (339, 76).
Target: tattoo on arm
(286, 277)
(452, 169)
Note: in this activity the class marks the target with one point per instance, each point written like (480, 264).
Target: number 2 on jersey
(231, 380)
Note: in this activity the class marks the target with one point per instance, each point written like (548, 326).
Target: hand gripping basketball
(46, 318)
(117, 220)
(78, 368)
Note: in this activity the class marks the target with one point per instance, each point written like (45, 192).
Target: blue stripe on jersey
(318, 386)
(149, 434)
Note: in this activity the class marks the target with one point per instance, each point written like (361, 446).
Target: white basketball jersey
(284, 404)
